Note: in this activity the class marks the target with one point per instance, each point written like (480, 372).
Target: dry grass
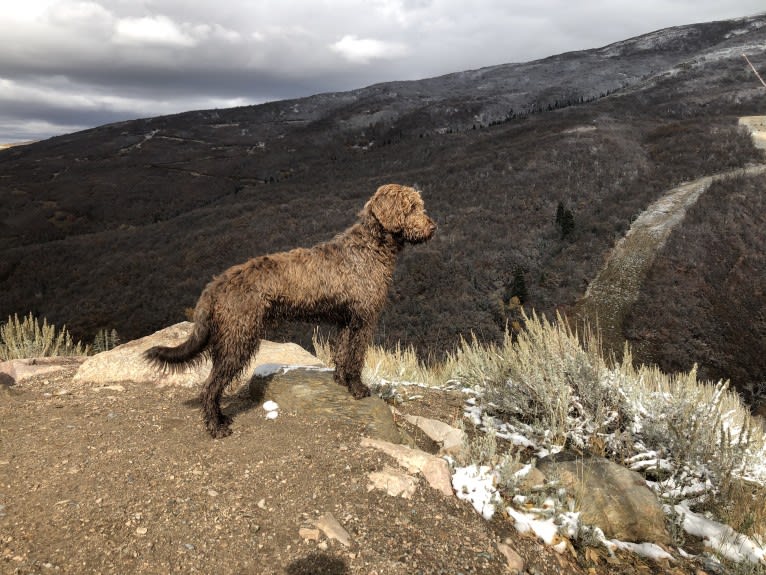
(27, 338)
(400, 364)
(556, 384)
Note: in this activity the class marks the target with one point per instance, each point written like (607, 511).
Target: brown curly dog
(343, 281)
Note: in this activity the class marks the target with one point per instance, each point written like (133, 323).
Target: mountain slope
(121, 226)
(613, 293)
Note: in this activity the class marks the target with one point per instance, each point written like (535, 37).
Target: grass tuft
(27, 338)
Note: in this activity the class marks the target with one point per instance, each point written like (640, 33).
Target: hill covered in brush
(121, 226)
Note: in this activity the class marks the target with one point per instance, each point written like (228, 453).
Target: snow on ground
(545, 529)
(272, 409)
(721, 538)
(649, 550)
(477, 485)
(267, 369)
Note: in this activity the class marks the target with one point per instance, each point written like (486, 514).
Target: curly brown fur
(343, 281)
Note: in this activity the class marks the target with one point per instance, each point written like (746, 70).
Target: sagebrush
(695, 440)
(27, 338)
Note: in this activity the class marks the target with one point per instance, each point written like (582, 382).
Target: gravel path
(615, 289)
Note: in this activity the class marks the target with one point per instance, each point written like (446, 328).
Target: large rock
(451, 439)
(282, 372)
(434, 469)
(313, 390)
(126, 362)
(610, 496)
(16, 370)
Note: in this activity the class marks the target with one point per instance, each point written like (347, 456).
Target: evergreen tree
(564, 220)
(519, 286)
(567, 223)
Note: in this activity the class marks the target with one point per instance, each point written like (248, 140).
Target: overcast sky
(67, 65)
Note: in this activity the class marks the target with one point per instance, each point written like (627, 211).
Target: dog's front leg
(350, 349)
(359, 338)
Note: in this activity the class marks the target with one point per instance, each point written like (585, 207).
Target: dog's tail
(189, 352)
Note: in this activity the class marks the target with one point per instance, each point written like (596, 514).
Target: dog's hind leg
(226, 367)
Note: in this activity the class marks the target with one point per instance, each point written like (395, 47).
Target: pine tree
(567, 223)
(519, 286)
(564, 220)
(559, 214)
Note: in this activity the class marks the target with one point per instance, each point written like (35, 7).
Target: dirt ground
(125, 480)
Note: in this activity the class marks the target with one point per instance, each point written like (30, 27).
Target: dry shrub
(20, 339)
(696, 423)
(382, 366)
(548, 379)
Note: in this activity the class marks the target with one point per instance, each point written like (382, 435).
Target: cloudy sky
(67, 65)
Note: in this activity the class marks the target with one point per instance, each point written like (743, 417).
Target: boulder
(16, 370)
(126, 362)
(282, 372)
(610, 496)
(434, 469)
(314, 391)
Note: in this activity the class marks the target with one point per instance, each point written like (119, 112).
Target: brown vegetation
(703, 300)
(97, 232)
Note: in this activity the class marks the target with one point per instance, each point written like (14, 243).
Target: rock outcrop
(126, 362)
(16, 370)
(610, 496)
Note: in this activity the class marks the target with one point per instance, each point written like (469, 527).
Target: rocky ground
(122, 478)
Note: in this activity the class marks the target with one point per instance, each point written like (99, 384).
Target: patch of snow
(272, 409)
(722, 538)
(649, 550)
(267, 369)
(474, 414)
(477, 485)
(524, 471)
(545, 529)
(752, 26)
(648, 460)
(569, 524)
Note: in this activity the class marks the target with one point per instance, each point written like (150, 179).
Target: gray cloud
(73, 64)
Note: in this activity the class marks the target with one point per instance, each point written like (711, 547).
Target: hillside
(706, 288)
(121, 226)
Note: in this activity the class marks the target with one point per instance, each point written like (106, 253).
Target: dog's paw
(220, 432)
(360, 391)
(219, 428)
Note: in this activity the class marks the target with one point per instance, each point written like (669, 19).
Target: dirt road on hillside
(615, 289)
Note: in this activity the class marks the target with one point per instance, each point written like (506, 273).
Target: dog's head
(400, 211)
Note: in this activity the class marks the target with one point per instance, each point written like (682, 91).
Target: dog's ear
(390, 206)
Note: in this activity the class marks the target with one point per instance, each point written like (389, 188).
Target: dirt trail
(616, 288)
